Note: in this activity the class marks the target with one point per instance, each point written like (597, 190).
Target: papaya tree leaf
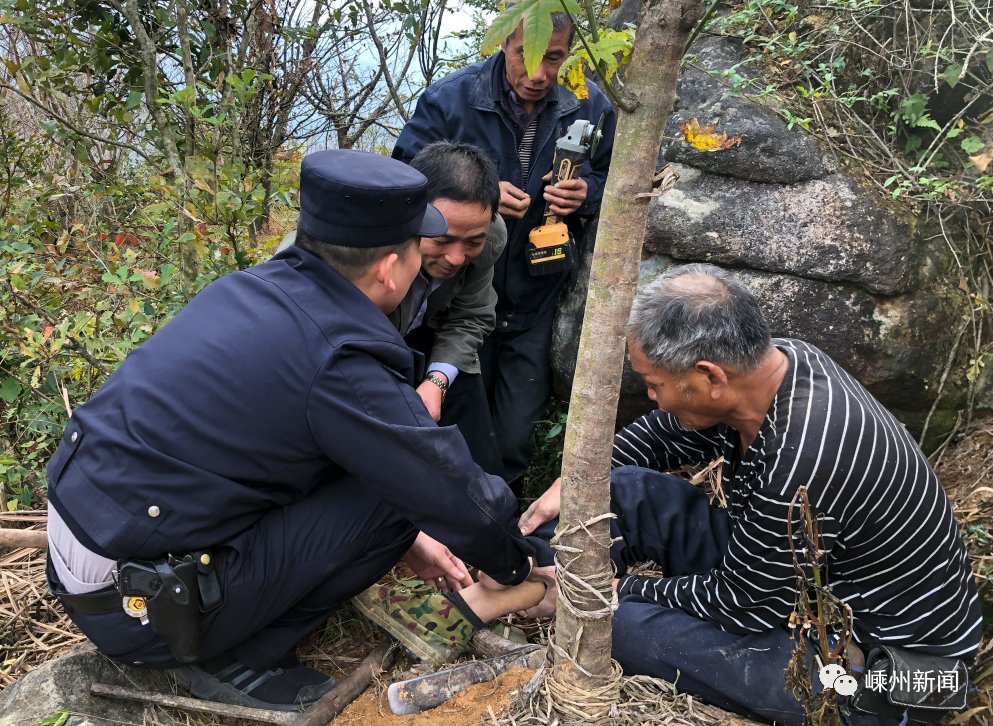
(537, 33)
(504, 26)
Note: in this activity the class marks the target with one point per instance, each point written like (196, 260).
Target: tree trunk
(583, 680)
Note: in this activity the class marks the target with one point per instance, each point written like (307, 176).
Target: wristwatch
(438, 381)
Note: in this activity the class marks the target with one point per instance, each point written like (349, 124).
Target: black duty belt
(107, 600)
(169, 594)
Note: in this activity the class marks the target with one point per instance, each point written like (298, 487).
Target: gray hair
(698, 312)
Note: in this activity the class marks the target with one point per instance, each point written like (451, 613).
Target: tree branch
(73, 343)
(72, 127)
(384, 61)
(149, 54)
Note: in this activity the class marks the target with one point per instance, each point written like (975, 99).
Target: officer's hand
(542, 509)
(565, 197)
(514, 202)
(546, 607)
(431, 395)
(432, 562)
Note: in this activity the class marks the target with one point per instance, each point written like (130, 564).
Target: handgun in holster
(551, 248)
(169, 595)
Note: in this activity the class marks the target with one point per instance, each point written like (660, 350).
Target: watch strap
(438, 381)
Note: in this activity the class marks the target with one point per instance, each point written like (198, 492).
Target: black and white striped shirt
(894, 551)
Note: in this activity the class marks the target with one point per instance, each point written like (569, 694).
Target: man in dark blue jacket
(264, 457)
(517, 119)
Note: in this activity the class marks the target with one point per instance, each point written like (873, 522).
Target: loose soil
(466, 708)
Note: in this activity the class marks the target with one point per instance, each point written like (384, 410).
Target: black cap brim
(434, 223)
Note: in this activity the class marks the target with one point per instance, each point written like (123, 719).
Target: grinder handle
(566, 164)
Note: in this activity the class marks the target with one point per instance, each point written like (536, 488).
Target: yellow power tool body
(551, 248)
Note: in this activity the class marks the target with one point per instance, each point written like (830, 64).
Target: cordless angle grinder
(551, 248)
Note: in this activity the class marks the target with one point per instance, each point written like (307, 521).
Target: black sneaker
(225, 680)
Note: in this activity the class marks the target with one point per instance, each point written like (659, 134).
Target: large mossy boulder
(833, 262)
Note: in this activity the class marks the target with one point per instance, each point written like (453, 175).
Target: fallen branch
(333, 703)
(30, 538)
(487, 644)
(195, 704)
(320, 714)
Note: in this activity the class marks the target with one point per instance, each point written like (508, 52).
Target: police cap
(358, 199)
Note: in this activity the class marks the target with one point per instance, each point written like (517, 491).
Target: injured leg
(435, 626)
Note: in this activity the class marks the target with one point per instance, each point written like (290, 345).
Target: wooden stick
(283, 718)
(30, 538)
(333, 703)
(488, 644)
(415, 695)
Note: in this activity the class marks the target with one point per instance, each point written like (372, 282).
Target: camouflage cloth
(420, 617)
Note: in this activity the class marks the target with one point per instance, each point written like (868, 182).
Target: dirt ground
(466, 708)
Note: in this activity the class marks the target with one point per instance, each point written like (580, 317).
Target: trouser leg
(667, 520)
(285, 575)
(739, 673)
(466, 407)
(659, 518)
(517, 367)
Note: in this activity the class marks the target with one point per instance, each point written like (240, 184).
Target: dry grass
(965, 471)
(33, 627)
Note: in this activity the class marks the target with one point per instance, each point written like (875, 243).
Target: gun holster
(172, 598)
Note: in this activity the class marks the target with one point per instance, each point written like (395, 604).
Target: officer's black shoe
(225, 680)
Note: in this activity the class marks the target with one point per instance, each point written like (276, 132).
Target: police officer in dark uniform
(263, 457)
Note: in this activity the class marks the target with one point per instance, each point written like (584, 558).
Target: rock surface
(827, 229)
(769, 152)
(887, 343)
(63, 684)
(832, 261)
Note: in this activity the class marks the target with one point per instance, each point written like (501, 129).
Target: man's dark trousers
(517, 374)
(465, 406)
(280, 579)
(667, 520)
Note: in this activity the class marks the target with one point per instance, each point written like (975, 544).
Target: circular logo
(830, 673)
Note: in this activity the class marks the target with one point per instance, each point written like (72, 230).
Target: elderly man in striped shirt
(782, 415)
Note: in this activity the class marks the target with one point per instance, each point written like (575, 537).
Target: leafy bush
(547, 441)
(88, 270)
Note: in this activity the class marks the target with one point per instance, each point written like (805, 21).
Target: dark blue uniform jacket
(271, 382)
(465, 106)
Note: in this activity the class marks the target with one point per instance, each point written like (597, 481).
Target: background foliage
(902, 91)
(150, 146)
